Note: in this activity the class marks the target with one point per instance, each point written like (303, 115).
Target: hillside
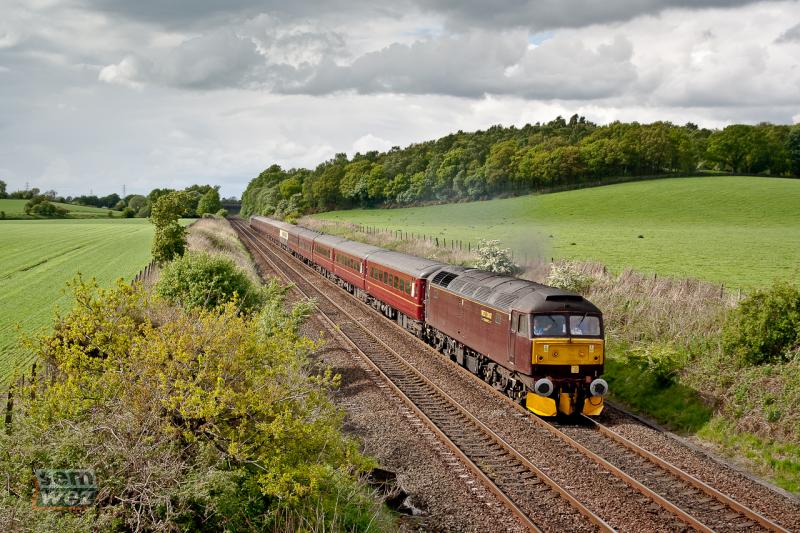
(740, 231)
(15, 209)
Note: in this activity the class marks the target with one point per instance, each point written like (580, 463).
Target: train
(542, 346)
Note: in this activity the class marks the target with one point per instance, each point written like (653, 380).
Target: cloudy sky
(95, 94)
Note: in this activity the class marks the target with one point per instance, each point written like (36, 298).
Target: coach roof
(306, 233)
(275, 223)
(357, 249)
(405, 263)
(330, 241)
(507, 293)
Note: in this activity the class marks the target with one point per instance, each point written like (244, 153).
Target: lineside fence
(532, 266)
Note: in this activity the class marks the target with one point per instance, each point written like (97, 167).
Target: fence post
(437, 242)
(9, 409)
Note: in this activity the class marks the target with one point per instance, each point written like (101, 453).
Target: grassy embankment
(39, 257)
(665, 355)
(740, 231)
(15, 209)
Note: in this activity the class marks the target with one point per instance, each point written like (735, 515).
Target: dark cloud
(790, 35)
(476, 64)
(531, 14)
(551, 14)
(218, 59)
(194, 13)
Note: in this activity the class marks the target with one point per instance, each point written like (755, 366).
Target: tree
(169, 240)
(137, 202)
(41, 206)
(499, 165)
(3, 193)
(209, 202)
(793, 147)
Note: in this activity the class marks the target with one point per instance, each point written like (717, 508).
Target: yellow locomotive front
(567, 358)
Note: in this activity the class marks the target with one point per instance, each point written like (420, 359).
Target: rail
(493, 460)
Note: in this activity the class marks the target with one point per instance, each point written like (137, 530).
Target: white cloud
(127, 72)
(365, 75)
(369, 142)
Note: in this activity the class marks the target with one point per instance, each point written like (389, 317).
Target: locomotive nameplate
(575, 369)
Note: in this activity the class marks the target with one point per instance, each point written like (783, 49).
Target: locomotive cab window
(584, 326)
(549, 325)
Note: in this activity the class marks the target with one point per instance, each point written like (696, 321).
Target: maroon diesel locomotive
(541, 345)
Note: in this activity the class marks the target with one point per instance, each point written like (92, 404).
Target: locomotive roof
(507, 293)
(405, 263)
(357, 249)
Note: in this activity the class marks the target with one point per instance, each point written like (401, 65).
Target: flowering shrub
(493, 258)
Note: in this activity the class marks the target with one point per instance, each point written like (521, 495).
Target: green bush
(127, 212)
(192, 420)
(222, 213)
(206, 281)
(765, 327)
(40, 206)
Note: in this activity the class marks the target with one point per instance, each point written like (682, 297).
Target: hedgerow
(193, 420)
(765, 326)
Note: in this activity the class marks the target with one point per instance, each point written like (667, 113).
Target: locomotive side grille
(443, 278)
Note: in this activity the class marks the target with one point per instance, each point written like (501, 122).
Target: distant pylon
(123, 190)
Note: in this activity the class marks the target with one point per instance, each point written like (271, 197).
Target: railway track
(517, 483)
(503, 469)
(717, 510)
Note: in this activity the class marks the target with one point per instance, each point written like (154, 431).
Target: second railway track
(528, 490)
(518, 484)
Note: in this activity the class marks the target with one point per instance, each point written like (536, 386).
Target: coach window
(514, 322)
(497, 318)
(408, 287)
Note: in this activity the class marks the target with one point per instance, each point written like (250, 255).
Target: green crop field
(38, 257)
(740, 231)
(15, 209)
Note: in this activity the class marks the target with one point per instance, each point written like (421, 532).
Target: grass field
(37, 258)
(740, 231)
(15, 209)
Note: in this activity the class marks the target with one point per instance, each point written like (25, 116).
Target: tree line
(198, 200)
(511, 160)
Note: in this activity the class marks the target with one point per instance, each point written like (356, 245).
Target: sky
(100, 94)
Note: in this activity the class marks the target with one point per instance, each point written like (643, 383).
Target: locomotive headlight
(598, 387)
(543, 387)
